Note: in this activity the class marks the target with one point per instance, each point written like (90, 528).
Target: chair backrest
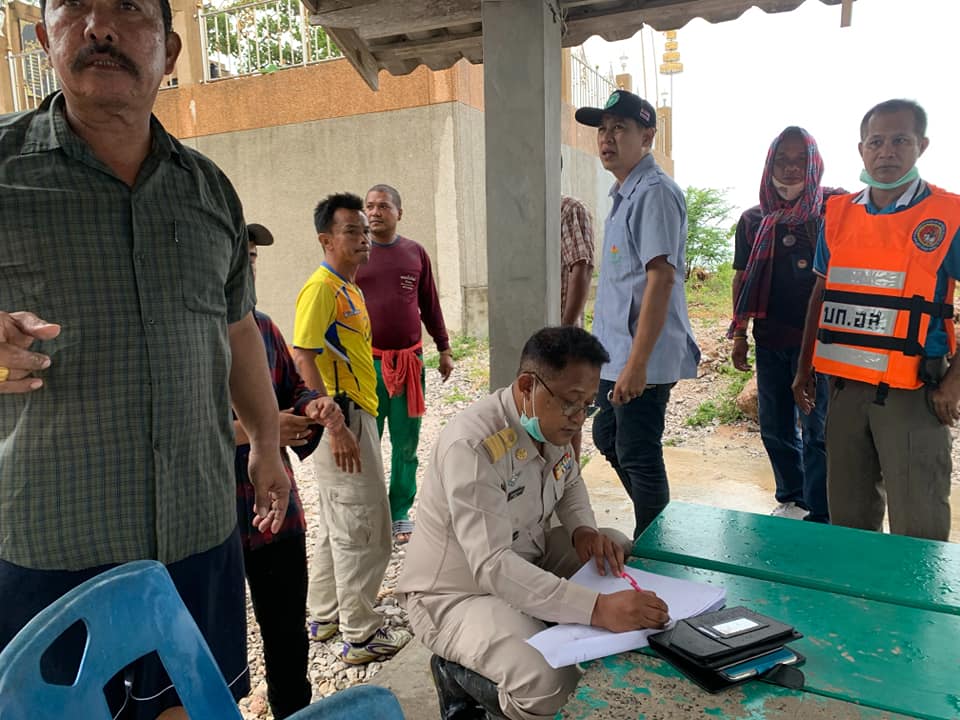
(359, 701)
(128, 611)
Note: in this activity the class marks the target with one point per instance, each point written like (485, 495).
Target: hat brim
(590, 116)
(259, 235)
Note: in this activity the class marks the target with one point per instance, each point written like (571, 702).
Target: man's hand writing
(629, 610)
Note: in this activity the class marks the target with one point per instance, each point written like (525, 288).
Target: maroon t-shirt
(399, 290)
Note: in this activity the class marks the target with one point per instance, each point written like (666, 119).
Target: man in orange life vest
(880, 321)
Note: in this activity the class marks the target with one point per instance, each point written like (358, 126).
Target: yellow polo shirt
(332, 320)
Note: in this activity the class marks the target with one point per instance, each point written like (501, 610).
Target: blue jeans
(797, 451)
(629, 437)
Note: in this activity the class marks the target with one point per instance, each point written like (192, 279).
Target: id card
(730, 628)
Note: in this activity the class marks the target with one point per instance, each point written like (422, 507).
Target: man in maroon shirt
(399, 291)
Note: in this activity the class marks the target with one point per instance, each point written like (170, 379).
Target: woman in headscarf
(773, 261)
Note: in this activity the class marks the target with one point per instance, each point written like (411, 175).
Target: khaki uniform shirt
(484, 511)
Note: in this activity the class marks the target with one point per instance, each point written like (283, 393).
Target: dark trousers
(630, 438)
(277, 575)
(794, 441)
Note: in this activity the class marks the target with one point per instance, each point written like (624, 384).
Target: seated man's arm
(575, 514)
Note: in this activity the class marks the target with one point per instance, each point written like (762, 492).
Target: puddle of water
(726, 469)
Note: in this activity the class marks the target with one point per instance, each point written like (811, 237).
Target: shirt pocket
(407, 288)
(23, 278)
(204, 264)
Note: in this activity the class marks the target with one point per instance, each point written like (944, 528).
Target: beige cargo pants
(353, 535)
(486, 635)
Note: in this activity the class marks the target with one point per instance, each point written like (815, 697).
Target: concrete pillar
(186, 23)
(521, 66)
(6, 80)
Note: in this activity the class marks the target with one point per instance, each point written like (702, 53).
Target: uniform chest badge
(614, 254)
(521, 454)
(562, 467)
(929, 235)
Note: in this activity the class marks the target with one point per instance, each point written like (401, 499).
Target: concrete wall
(432, 155)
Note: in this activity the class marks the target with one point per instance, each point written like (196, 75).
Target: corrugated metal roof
(399, 35)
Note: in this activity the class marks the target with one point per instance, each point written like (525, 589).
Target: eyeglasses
(569, 409)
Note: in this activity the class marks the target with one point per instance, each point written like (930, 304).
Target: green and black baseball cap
(622, 103)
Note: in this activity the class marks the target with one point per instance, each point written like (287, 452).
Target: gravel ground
(444, 400)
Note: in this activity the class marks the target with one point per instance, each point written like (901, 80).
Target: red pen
(629, 579)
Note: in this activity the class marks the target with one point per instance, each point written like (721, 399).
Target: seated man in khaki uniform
(485, 571)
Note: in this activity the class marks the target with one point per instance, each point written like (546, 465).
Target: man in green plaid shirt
(125, 334)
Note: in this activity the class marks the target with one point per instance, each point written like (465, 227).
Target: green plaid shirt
(127, 452)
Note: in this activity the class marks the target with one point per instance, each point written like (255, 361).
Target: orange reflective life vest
(880, 286)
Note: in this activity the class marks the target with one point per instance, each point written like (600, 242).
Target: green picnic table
(880, 616)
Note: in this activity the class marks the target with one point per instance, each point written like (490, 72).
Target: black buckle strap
(915, 303)
(882, 391)
(877, 342)
(917, 306)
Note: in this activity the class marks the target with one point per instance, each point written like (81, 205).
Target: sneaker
(789, 510)
(384, 643)
(320, 631)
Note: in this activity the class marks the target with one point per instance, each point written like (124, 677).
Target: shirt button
(151, 322)
(140, 257)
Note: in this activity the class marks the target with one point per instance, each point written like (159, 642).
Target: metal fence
(261, 37)
(588, 87)
(31, 77)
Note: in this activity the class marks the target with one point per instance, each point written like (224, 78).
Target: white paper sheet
(564, 645)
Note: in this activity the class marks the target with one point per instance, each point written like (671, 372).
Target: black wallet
(702, 647)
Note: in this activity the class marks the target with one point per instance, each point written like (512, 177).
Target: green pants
(404, 438)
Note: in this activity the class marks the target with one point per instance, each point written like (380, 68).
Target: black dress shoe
(464, 694)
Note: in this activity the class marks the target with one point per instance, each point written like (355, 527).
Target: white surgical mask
(788, 192)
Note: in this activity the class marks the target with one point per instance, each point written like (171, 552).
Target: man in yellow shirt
(334, 355)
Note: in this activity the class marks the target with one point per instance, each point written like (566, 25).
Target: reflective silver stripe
(873, 320)
(852, 356)
(888, 279)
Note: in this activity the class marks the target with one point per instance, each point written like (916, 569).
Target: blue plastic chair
(130, 611)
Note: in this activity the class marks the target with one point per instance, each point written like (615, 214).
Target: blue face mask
(532, 424)
(868, 179)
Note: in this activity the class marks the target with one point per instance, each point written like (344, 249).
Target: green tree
(708, 228)
(244, 37)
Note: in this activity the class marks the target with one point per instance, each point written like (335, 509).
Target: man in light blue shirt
(641, 309)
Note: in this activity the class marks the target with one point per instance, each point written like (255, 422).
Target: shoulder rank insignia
(499, 443)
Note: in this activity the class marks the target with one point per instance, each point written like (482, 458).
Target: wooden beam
(442, 44)
(333, 5)
(359, 55)
(388, 17)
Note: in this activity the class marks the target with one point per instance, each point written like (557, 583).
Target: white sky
(745, 80)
